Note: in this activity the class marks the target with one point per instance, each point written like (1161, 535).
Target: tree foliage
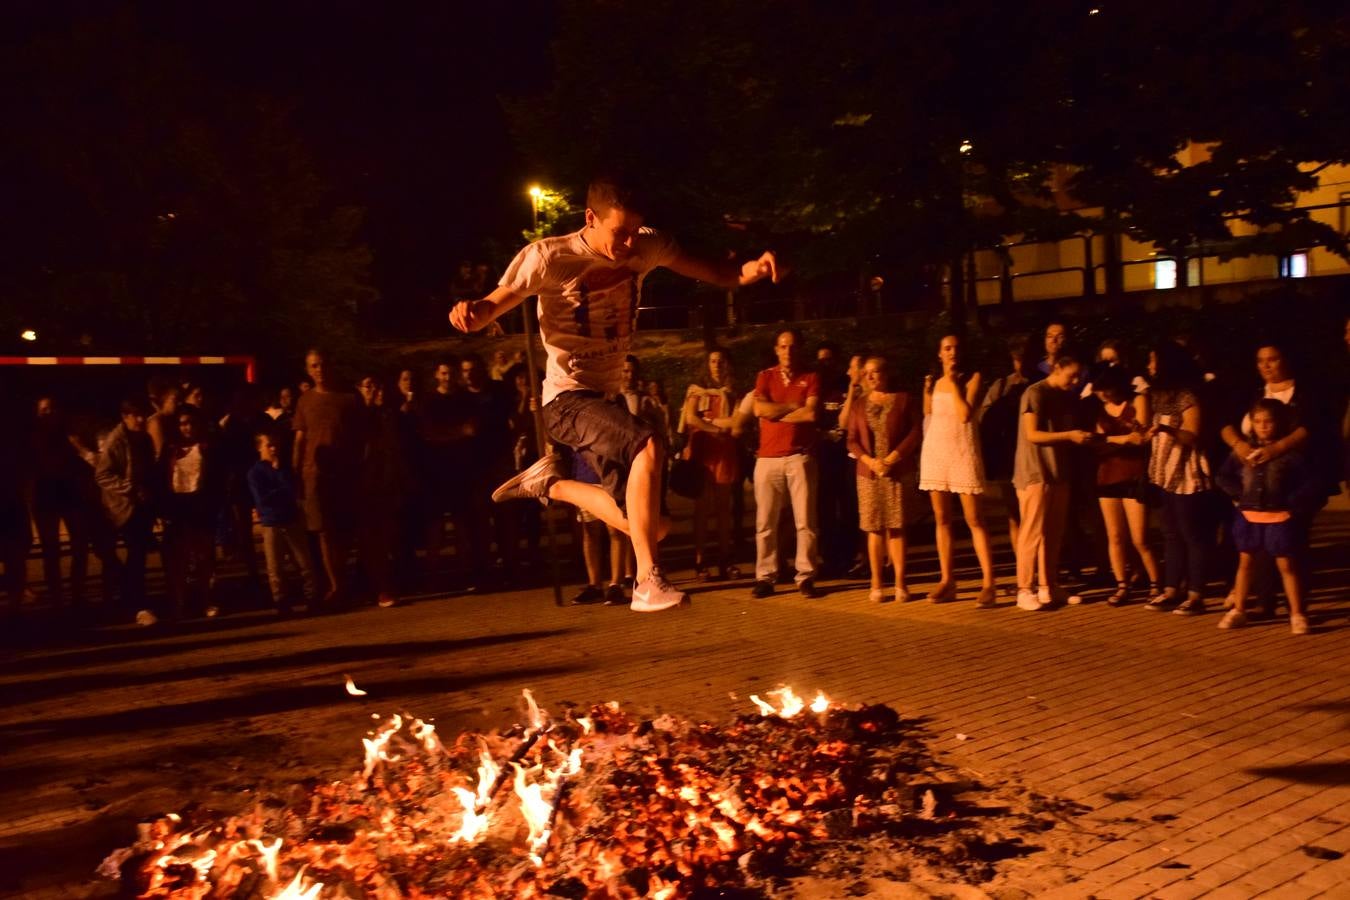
(152, 210)
(843, 123)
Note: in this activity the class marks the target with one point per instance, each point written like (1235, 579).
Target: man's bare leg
(644, 506)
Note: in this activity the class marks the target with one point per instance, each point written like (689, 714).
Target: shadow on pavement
(23, 692)
(69, 659)
(1329, 774)
(169, 716)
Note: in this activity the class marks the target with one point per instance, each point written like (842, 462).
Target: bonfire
(597, 803)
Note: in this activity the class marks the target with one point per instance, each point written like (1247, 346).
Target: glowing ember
(601, 805)
(353, 689)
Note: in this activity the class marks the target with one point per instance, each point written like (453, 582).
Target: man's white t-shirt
(588, 305)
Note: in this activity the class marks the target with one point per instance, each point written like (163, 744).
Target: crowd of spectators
(1079, 450)
(355, 492)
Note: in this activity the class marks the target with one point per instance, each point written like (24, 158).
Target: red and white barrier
(248, 362)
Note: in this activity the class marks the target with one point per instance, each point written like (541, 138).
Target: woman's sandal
(728, 572)
(943, 593)
(1121, 596)
(701, 572)
(987, 598)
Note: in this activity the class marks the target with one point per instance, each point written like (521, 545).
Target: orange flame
(789, 704)
(821, 703)
(375, 746)
(474, 823)
(352, 688)
(538, 718)
(269, 856)
(298, 889)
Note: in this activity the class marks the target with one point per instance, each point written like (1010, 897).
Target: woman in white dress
(950, 464)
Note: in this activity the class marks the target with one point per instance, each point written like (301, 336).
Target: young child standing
(273, 490)
(1274, 502)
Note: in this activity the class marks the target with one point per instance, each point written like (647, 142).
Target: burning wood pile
(598, 805)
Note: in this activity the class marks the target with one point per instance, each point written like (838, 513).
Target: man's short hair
(1017, 345)
(610, 190)
(1064, 360)
(831, 346)
(134, 406)
(797, 340)
(637, 363)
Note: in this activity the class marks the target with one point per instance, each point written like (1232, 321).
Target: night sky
(398, 104)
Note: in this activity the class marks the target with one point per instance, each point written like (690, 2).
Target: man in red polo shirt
(786, 397)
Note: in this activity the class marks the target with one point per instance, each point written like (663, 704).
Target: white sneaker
(533, 483)
(1234, 618)
(145, 618)
(1027, 600)
(656, 594)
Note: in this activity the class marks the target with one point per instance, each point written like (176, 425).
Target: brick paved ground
(1209, 760)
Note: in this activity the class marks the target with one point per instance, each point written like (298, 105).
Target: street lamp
(28, 334)
(535, 193)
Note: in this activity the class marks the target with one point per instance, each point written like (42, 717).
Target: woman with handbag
(710, 457)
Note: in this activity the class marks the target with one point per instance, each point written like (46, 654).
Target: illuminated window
(1295, 265)
(1165, 274)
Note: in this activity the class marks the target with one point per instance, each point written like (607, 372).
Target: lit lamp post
(541, 440)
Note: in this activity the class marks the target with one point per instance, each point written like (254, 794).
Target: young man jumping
(589, 285)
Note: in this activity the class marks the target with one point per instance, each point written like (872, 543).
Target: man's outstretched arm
(474, 315)
(727, 274)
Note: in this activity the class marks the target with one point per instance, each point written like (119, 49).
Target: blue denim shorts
(602, 432)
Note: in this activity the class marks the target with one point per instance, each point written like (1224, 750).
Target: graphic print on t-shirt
(613, 293)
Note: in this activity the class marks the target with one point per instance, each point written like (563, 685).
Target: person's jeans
(138, 535)
(778, 479)
(1044, 507)
(277, 539)
(1188, 537)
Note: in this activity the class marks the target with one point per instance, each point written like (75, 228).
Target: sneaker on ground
(808, 589)
(1074, 599)
(614, 596)
(533, 483)
(1234, 618)
(1049, 599)
(589, 594)
(762, 588)
(385, 601)
(1028, 601)
(1298, 624)
(211, 612)
(655, 593)
(145, 618)
(1193, 606)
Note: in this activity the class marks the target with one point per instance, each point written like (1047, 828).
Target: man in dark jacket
(124, 473)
